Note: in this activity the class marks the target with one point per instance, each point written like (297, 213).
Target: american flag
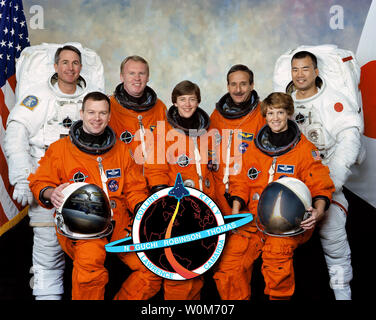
(13, 38)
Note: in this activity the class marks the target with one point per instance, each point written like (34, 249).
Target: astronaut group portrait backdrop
(200, 40)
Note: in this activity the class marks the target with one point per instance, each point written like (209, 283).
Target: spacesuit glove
(22, 193)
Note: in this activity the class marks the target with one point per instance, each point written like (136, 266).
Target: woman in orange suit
(184, 149)
(278, 150)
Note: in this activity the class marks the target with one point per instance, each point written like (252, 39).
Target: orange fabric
(233, 273)
(249, 125)
(141, 284)
(184, 289)
(123, 119)
(162, 166)
(89, 276)
(277, 264)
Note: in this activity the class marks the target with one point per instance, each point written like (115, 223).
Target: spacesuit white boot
(336, 247)
(48, 257)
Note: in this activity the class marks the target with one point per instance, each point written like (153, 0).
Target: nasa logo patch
(338, 107)
(113, 185)
(212, 166)
(243, 147)
(30, 102)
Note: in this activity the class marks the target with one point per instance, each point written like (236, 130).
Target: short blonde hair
(134, 58)
(277, 100)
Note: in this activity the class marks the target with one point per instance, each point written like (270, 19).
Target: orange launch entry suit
(65, 162)
(300, 160)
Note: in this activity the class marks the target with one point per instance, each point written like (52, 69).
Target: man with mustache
(237, 118)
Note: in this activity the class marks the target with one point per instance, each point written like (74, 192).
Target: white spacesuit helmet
(283, 206)
(85, 212)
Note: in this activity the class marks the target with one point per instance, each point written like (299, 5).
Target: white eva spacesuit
(331, 119)
(42, 115)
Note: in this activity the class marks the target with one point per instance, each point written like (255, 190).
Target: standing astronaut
(52, 80)
(332, 122)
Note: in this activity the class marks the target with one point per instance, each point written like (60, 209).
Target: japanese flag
(362, 182)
